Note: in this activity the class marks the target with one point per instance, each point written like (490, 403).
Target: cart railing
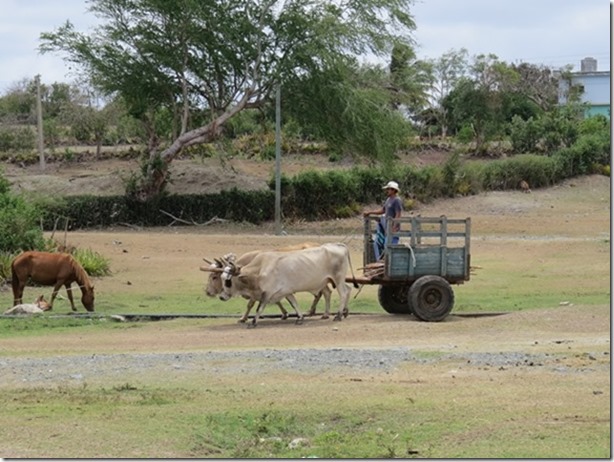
(422, 246)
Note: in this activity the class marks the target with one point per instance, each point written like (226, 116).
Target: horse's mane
(80, 274)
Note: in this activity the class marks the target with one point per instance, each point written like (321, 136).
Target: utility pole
(278, 161)
(39, 121)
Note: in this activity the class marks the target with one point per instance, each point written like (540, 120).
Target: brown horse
(51, 269)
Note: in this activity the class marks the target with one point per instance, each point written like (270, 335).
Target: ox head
(215, 284)
(230, 271)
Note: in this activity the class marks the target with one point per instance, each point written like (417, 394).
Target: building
(593, 87)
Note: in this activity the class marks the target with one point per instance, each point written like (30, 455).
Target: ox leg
(326, 292)
(249, 307)
(284, 313)
(294, 304)
(344, 296)
(314, 304)
(261, 304)
(69, 293)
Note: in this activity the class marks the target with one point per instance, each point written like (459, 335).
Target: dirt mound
(187, 176)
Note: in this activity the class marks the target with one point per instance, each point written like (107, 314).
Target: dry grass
(535, 251)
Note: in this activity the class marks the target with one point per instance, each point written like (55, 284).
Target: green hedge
(103, 211)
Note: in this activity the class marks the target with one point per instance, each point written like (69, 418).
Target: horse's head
(88, 298)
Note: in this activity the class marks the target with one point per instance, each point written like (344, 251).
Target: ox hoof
(284, 317)
(251, 325)
(337, 317)
(325, 316)
(242, 320)
(300, 320)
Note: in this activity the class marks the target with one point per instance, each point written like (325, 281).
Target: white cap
(393, 185)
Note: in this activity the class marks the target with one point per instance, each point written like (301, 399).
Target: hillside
(188, 176)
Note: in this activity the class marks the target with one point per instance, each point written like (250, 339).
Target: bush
(538, 171)
(524, 134)
(5, 265)
(93, 263)
(17, 139)
(19, 229)
(579, 158)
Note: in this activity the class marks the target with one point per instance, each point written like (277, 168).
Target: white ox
(215, 283)
(272, 276)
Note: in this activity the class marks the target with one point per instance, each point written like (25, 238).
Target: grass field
(534, 383)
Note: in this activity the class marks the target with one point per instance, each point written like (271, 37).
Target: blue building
(592, 85)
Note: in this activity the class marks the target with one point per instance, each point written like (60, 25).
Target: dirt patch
(187, 176)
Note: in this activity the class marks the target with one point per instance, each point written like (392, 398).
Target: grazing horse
(51, 269)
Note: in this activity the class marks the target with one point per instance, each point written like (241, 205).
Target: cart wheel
(431, 298)
(394, 299)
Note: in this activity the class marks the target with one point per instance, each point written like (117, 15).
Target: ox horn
(212, 270)
(208, 261)
(220, 262)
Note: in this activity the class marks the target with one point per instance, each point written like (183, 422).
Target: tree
(410, 79)
(202, 62)
(538, 83)
(349, 106)
(18, 104)
(447, 72)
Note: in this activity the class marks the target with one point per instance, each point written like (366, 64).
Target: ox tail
(332, 283)
(356, 286)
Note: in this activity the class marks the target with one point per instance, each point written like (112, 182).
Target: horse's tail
(15, 283)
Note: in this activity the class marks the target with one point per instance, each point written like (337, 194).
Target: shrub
(538, 171)
(93, 263)
(19, 229)
(17, 139)
(578, 158)
(5, 265)
(524, 134)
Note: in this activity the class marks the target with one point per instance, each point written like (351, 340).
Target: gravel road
(59, 369)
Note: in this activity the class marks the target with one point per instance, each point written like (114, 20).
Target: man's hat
(392, 184)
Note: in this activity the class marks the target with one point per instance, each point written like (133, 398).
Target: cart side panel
(403, 262)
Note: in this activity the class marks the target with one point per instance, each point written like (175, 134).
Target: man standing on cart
(392, 208)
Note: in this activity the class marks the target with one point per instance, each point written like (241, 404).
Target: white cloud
(550, 32)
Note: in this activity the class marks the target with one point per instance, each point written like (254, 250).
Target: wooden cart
(415, 274)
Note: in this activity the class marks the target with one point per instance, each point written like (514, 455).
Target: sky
(554, 33)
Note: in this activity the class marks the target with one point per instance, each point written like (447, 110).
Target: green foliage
(245, 49)
(594, 125)
(538, 171)
(525, 134)
(316, 195)
(5, 185)
(451, 170)
(5, 265)
(350, 108)
(52, 132)
(579, 158)
(93, 263)
(465, 134)
(19, 227)
(17, 139)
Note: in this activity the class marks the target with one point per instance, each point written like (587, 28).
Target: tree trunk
(156, 177)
